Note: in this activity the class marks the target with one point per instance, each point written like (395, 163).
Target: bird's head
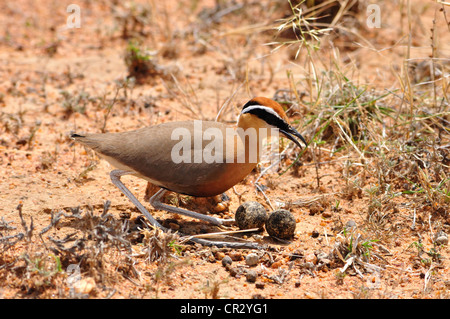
(263, 112)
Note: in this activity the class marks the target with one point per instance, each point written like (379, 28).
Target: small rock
(220, 207)
(322, 257)
(211, 259)
(219, 255)
(350, 224)
(251, 259)
(259, 285)
(315, 209)
(307, 265)
(277, 264)
(309, 295)
(323, 261)
(311, 258)
(234, 272)
(226, 261)
(251, 276)
(327, 214)
(85, 286)
(441, 238)
(236, 256)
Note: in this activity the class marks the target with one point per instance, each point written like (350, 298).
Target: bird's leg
(155, 201)
(115, 178)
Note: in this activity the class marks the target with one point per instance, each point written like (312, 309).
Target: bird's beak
(291, 133)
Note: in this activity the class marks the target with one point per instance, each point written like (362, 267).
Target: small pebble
(219, 255)
(220, 207)
(327, 214)
(350, 224)
(307, 265)
(211, 259)
(226, 261)
(323, 258)
(236, 256)
(234, 272)
(315, 209)
(251, 276)
(312, 258)
(277, 264)
(259, 285)
(251, 259)
(441, 238)
(85, 286)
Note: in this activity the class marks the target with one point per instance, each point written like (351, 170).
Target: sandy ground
(210, 53)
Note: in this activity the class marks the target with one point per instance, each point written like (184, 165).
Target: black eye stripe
(269, 118)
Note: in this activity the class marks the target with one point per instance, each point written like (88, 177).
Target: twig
(227, 102)
(224, 233)
(431, 228)
(427, 278)
(258, 187)
(28, 231)
(210, 243)
(311, 199)
(109, 108)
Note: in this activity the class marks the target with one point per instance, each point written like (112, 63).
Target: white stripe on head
(260, 107)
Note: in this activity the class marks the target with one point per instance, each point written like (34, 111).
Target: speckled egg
(281, 224)
(250, 215)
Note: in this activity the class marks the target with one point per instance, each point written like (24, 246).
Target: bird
(196, 158)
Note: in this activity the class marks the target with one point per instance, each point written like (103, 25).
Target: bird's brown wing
(153, 153)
